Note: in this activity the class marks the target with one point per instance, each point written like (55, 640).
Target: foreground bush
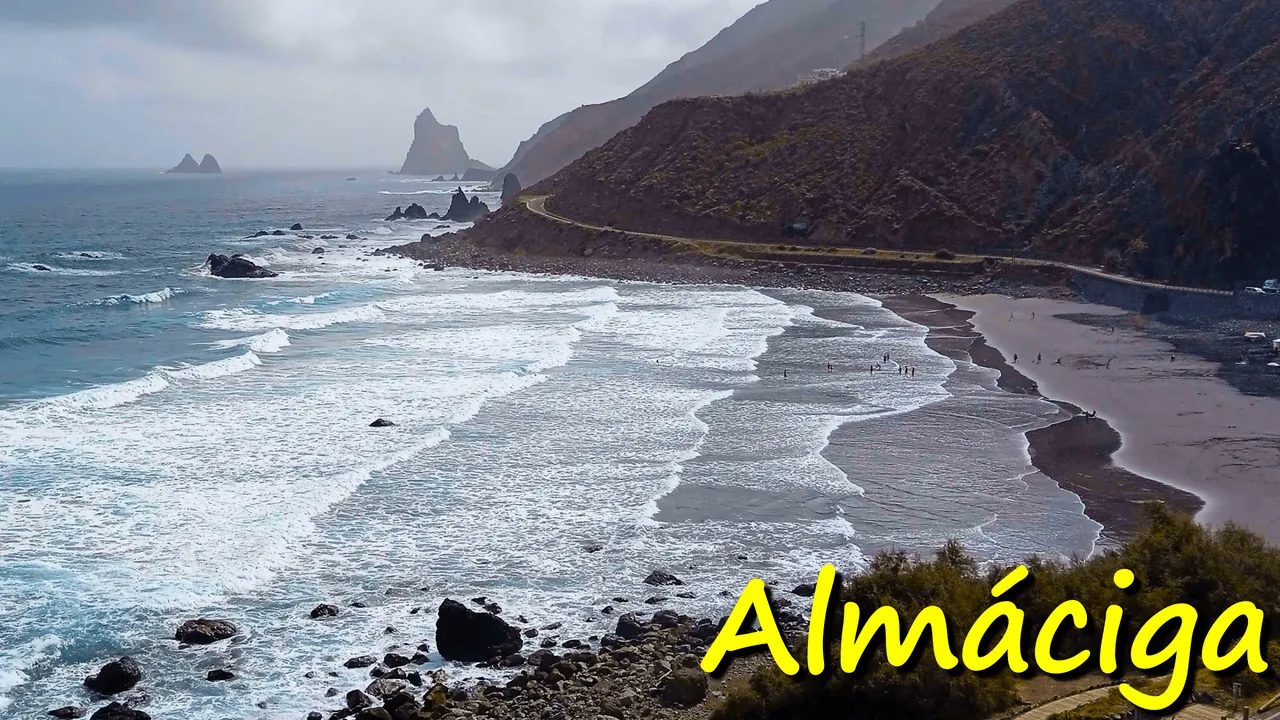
(1174, 559)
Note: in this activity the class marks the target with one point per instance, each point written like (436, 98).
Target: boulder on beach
(629, 627)
(296, 227)
(684, 687)
(119, 711)
(380, 423)
(116, 676)
(236, 267)
(660, 578)
(205, 632)
(468, 636)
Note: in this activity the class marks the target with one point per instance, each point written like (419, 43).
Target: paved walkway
(1071, 702)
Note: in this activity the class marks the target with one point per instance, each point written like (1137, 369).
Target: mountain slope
(1145, 135)
(948, 18)
(766, 49)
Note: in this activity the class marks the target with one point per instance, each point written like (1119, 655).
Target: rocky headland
(1137, 136)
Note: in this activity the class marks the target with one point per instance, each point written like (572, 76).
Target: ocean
(174, 445)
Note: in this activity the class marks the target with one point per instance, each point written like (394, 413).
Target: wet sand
(1076, 453)
(1180, 423)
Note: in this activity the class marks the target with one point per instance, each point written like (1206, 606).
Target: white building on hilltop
(819, 75)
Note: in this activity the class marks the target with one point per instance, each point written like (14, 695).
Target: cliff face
(1141, 135)
(768, 48)
(436, 149)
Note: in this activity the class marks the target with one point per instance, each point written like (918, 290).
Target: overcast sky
(326, 83)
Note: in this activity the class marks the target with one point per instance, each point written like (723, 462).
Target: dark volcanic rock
(630, 627)
(69, 712)
(236, 266)
(468, 636)
(362, 661)
(42, 268)
(662, 578)
(436, 148)
(115, 677)
(357, 700)
(462, 210)
(119, 711)
(219, 675)
(397, 215)
(296, 227)
(188, 165)
(324, 611)
(380, 423)
(415, 212)
(684, 687)
(510, 188)
(209, 165)
(205, 632)
(318, 251)
(260, 233)
(805, 590)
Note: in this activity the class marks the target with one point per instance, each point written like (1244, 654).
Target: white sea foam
(249, 320)
(271, 341)
(157, 296)
(35, 268)
(90, 255)
(16, 662)
(216, 369)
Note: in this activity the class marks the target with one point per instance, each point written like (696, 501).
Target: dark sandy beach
(1076, 452)
(1182, 423)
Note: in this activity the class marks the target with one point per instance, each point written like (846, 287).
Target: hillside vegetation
(1142, 135)
(1174, 559)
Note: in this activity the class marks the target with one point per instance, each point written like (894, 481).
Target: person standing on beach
(1039, 358)
(784, 374)
(1015, 358)
(913, 372)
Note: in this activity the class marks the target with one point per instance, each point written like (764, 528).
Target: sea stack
(207, 166)
(437, 149)
(510, 188)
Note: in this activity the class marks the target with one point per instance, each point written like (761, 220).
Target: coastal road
(538, 206)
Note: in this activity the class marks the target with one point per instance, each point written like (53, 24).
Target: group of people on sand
(875, 368)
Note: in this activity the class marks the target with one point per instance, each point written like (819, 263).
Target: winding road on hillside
(538, 206)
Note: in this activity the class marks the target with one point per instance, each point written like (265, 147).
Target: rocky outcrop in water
(236, 267)
(207, 166)
(468, 636)
(205, 632)
(119, 711)
(436, 149)
(115, 677)
(413, 212)
(464, 210)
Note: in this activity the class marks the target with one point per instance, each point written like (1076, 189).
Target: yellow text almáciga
(1008, 649)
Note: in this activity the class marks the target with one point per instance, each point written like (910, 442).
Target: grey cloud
(267, 79)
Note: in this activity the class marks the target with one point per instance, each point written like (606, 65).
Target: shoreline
(1181, 422)
(1081, 456)
(1073, 452)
